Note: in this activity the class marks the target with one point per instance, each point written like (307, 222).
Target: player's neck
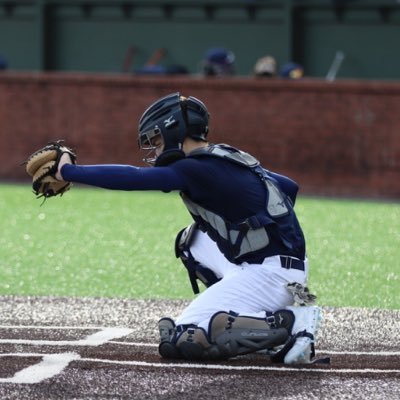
(189, 145)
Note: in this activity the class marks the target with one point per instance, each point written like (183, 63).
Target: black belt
(292, 263)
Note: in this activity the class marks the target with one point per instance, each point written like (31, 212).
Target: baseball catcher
(43, 165)
(245, 245)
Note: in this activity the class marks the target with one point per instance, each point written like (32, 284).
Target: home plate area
(94, 348)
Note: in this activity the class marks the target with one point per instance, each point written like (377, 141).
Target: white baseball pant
(247, 289)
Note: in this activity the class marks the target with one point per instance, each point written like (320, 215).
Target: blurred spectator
(3, 63)
(219, 62)
(292, 70)
(265, 67)
(153, 66)
(162, 70)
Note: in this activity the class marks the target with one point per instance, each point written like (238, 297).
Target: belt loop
(285, 262)
(288, 262)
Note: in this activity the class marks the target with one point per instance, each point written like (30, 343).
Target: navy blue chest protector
(274, 231)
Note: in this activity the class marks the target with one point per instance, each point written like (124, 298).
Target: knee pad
(237, 335)
(194, 344)
(196, 271)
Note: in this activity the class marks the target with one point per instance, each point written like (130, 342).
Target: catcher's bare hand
(44, 167)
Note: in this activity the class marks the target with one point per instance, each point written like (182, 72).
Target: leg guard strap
(196, 271)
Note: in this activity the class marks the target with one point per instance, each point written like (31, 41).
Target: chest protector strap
(236, 239)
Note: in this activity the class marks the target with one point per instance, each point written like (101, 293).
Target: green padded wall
(97, 35)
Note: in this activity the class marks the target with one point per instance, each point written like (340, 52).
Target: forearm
(123, 177)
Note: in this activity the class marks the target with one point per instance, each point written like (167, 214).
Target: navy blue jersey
(127, 177)
(230, 190)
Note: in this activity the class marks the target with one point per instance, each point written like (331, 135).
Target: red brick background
(340, 138)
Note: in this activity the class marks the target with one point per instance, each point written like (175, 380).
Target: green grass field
(99, 243)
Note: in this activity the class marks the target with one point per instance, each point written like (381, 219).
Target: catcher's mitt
(42, 166)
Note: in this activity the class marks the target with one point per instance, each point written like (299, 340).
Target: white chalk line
(360, 353)
(54, 364)
(51, 365)
(51, 327)
(319, 351)
(96, 339)
(65, 358)
(92, 340)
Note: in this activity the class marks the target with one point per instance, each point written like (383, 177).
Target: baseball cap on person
(292, 70)
(218, 61)
(265, 66)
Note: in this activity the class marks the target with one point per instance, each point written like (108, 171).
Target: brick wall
(340, 138)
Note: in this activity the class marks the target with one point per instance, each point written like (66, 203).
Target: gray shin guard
(230, 335)
(234, 335)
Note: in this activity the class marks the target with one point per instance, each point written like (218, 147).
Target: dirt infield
(80, 348)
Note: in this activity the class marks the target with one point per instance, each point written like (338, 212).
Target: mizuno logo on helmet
(169, 122)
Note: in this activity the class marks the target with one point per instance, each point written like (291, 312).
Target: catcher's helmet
(174, 117)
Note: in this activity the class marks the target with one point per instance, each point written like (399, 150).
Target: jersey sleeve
(124, 177)
(287, 185)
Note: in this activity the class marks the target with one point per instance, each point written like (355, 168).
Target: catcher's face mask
(152, 142)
